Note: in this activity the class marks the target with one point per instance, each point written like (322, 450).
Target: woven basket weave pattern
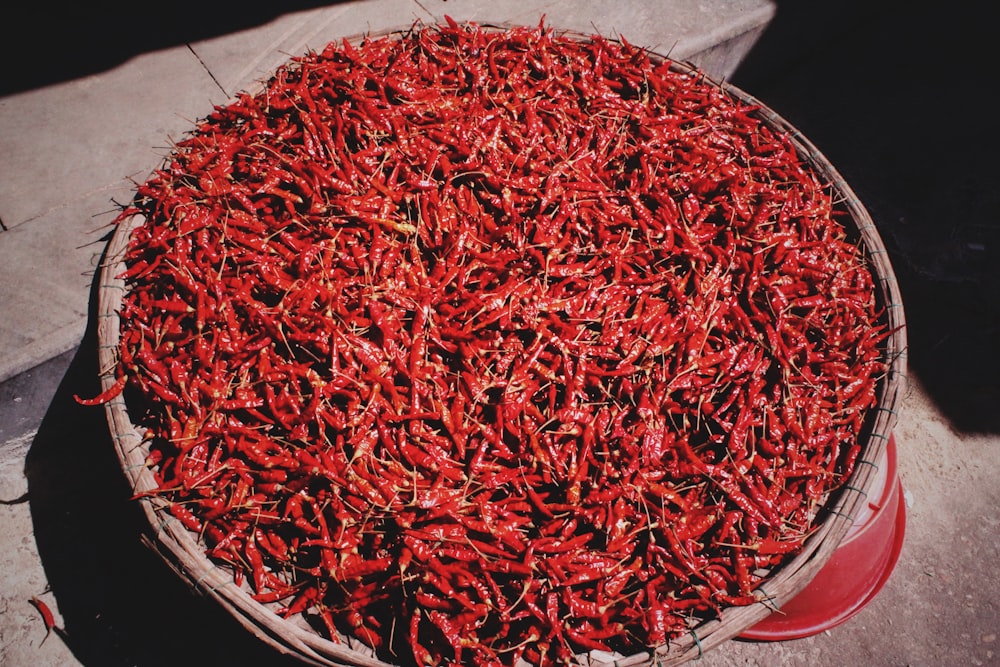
(182, 551)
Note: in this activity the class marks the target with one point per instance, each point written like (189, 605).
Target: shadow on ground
(894, 95)
(86, 38)
(121, 605)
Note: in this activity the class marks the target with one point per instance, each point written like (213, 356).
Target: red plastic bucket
(855, 572)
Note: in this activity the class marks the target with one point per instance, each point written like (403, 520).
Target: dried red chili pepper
(48, 618)
(499, 329)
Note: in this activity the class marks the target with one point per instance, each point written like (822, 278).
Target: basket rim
(183, 553)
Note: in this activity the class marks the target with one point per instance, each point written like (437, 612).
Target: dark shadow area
(49, 43)
(897, 96)
(121, 605)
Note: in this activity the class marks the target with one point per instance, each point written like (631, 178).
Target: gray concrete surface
(898, 119)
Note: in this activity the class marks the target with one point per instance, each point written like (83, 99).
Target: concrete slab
(47, 268)
(66, 141)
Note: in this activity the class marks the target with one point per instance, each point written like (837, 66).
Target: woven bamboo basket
(183, 552)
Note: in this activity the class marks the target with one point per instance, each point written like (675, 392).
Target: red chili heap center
(494, 345)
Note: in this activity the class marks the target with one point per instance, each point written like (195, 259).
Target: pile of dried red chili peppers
(488, 345)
